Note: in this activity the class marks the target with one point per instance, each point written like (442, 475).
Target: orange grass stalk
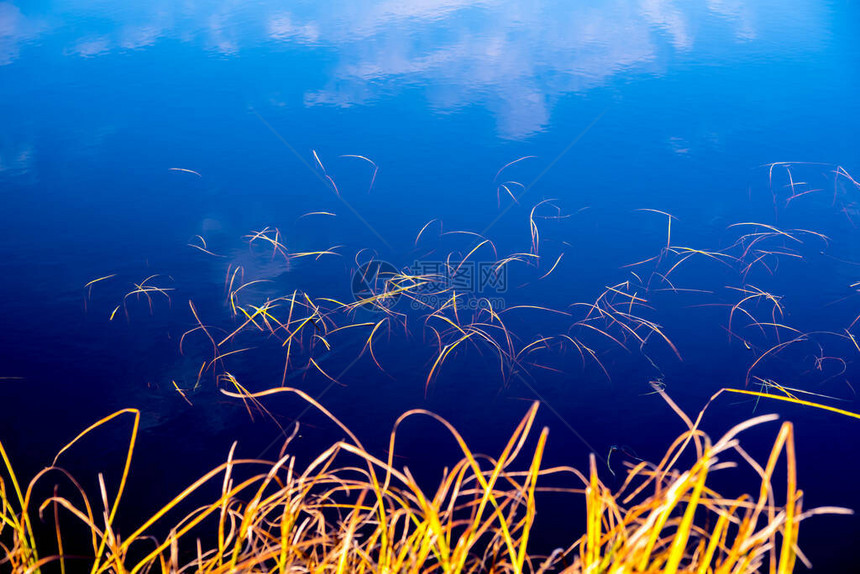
(350, 511)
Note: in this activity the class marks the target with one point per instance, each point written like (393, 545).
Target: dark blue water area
(128, 132)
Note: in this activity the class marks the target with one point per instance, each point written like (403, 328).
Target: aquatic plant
(447, 321)
(350, 511)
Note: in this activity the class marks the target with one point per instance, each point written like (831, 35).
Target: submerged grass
(349, 511)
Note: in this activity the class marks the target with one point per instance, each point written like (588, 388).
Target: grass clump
(349, 511)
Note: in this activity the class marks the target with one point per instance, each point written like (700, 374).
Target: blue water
(129, 130)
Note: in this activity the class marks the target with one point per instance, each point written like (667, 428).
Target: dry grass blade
(336, 516)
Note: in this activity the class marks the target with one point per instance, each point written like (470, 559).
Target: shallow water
(130, 131)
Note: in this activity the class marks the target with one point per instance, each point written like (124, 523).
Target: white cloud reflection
(515, 58)
(15, 30)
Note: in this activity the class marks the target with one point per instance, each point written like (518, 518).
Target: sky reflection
(515, 59)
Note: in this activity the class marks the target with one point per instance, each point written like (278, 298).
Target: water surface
(131, 130)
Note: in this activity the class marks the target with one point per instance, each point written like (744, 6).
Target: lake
(462, 207)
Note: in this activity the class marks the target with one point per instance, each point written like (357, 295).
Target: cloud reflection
(513, 59)
(517, 59)
(15, 30)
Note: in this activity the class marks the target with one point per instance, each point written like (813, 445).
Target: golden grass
(349, 511)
